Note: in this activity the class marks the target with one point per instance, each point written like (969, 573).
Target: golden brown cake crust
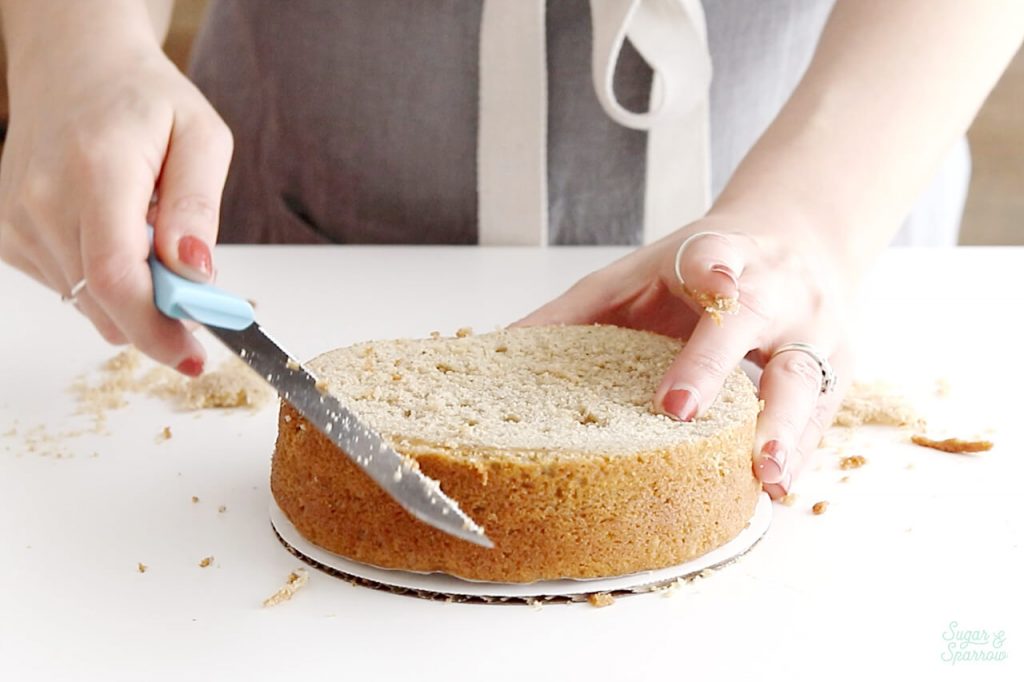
(569, 518)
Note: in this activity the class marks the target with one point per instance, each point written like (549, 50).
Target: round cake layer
(545, 436)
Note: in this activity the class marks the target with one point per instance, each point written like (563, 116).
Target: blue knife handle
(183, 299)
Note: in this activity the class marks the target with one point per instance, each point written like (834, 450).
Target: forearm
(891, 87)
(80, 29)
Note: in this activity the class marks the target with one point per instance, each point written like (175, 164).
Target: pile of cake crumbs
(232, 384)
(876, 403)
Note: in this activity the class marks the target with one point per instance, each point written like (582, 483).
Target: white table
(868, 588)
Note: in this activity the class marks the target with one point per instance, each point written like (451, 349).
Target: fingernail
(681, 404)
(191, 367)
(771, 467)
(195, 255)
(724, 269)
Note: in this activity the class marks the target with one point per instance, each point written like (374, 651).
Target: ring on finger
(682, 247)
(828, 375)
(72, 296)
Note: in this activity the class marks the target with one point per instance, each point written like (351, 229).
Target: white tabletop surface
(914, 541)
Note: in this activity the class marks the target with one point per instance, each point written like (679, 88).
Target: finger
(12, 253)
(115, 248)
(818, 422)
(64, 271)
(107, 328)
(190, 188)
(790, 387)
(696, 376)
(51, 275)
(712, 263)
(30, 270)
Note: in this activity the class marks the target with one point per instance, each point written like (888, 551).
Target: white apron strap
(512, 174)
(671, 36)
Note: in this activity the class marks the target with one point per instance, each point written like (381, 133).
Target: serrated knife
(231, 319)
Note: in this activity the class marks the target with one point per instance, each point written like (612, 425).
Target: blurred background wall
(995, 205)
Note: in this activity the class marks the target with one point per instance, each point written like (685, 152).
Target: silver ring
(72, 296)
(682, 247)
(828, 375)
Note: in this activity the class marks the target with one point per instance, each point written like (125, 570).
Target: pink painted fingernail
(681, 404)
(191, 367)
(771, 467)
(724, 269)
(195, 255)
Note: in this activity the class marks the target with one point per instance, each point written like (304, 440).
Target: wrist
(45, 38)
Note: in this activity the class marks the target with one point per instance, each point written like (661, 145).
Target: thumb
(189, 194)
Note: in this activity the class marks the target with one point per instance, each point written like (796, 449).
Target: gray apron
(357, 121)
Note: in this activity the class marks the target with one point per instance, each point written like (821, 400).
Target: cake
(547, 436)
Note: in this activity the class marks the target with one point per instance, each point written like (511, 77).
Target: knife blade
(231, 320)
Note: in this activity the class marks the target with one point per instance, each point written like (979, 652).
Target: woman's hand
(96, 128)
(789, 289)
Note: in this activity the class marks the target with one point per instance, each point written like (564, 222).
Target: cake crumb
(206, 562)
(435, 335)
(293, 365)
(760, 406)
(600, 599)
(164, 434)
(142, 568)
(852, 462)
(844, 479)
(321, 385)
(296, 580)
(195, 500)
(233, 384)
(715, 305)
(788, 499)
(875, 404)
(954, 445)
(819, 507)
(221, 509)
(463, 332)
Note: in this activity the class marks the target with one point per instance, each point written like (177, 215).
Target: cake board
(443, 587)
